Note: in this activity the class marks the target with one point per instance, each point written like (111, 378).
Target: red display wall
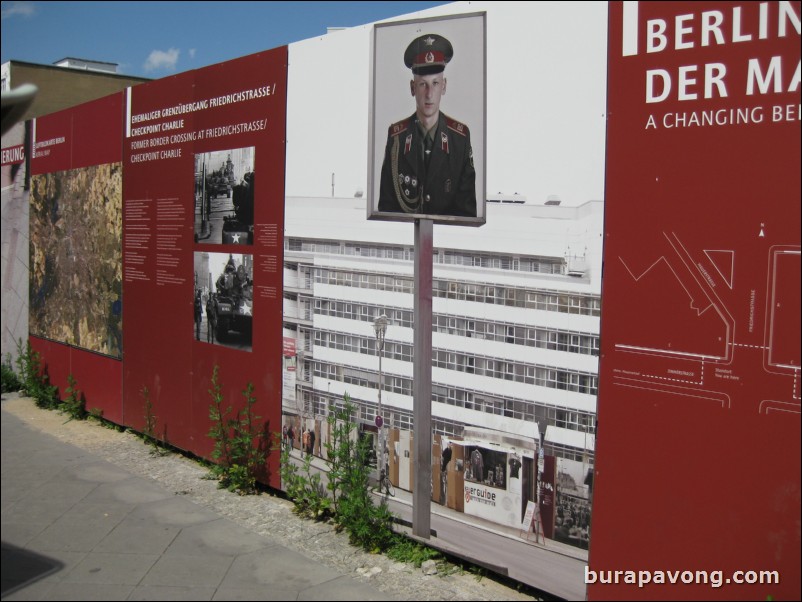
(697, 484)
(199, 147)
(147, 217)
(76, 192)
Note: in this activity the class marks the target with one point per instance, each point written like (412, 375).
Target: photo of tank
(223, 304)
(233, 302)
(224, 196)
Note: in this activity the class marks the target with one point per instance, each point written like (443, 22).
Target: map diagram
(727, 323)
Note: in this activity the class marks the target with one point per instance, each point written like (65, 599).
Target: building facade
(515, 339)
(66, 83)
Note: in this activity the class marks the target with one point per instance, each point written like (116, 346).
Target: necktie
(428, 143)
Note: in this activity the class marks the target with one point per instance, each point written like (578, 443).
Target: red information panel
(697, 485)
(75, 318)
(204, 245)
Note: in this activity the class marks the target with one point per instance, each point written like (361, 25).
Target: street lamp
(380, 326)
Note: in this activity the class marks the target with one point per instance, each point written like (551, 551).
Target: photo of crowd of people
(572, 523)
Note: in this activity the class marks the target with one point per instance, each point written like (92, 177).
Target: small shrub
(305, 489)
(149, 430)
(73, 404)
(10, 380)
(369, 526)
(34, 377)
(406, 550)
(241, 445)
(349, 501)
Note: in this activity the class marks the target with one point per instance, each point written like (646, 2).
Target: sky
(157, 39)
(545, 110)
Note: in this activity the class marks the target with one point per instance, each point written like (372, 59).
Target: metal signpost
(422, 380)
(380, 326)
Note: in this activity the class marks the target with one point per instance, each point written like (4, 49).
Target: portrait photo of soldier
(425, 164)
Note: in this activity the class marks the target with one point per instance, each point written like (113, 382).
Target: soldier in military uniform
(428, 161)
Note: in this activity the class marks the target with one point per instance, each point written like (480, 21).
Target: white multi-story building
(515, 339)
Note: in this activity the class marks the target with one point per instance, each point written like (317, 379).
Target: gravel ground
(265, 514)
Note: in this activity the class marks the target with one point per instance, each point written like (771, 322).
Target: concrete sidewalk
(76, 527)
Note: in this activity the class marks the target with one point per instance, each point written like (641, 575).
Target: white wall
(14, 263)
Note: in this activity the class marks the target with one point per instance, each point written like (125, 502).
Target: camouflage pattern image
(76, 258)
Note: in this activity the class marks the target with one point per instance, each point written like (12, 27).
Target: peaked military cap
(428, 54)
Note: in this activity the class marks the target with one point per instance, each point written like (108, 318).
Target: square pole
(422, 380)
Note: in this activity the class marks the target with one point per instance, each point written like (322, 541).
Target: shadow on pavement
(23, 567)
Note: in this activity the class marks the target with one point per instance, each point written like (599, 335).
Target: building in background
(515, 334)
(516, 301)
(65, 83)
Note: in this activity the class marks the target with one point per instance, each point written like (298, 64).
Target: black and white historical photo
(223, 299)
(224, 196)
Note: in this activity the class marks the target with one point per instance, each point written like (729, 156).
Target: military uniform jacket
(446, 187)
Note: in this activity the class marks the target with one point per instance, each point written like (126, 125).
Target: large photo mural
(75, 289)
(76, 257)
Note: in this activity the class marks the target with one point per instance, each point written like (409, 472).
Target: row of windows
(483, 402)
(568, 452)
(363, 378)
(480, 401)
(322, 405)
(381, 282)
(530, 336)
(586, 305)
(545, 300)
(519, 409)
(532, 374)
(364, 313)
(518, 263)
(542, 265)
(364, 345)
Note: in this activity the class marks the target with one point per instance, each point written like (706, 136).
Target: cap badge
(429, 57)
(429, 41)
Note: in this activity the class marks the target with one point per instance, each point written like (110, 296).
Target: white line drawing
(717, 396)
(772, 405)
(721, 260)
(720, 308)
(701, 301)
(779, 350)
(776, 284)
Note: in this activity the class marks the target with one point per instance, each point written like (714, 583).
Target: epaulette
(399, 127)
(456, 126)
